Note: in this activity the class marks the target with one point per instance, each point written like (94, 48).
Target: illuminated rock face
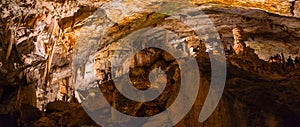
(270, 27)
(297, 9)
(239, 44)
(282, 7)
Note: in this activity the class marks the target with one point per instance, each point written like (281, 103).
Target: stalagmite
(239, 44)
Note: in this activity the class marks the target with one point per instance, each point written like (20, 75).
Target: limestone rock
(93, 101)
(64, 114)
(239, 44)
(147, 58)
(297, 9)
(44, 122)
(63, 88)
(57, 106)
(257, 94)
(167, 57)
(29, 114)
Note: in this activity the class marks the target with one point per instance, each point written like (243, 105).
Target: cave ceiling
(270, 27)
(39, 39)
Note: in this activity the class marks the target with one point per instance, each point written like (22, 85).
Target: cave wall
(29, 38)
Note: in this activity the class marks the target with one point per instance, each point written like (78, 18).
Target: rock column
(239, 44)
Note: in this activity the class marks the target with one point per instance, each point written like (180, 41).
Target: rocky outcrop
(64, 114)
(38, 39)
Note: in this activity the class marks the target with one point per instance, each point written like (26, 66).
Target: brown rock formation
(257, 93)
(64, 114)
(297, 9)
(239, 44)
